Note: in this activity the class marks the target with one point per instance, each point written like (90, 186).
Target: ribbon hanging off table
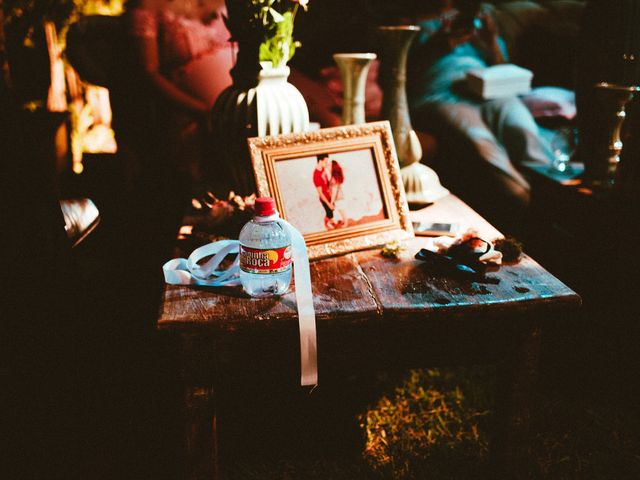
(181, 271)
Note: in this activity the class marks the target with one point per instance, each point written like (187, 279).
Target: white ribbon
(186, 271)
(306, 313)
(181, 271)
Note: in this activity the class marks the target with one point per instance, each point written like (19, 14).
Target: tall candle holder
(421, 183)
(601, 165)
(353, 69)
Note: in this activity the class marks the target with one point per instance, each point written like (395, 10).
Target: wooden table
(372, 313)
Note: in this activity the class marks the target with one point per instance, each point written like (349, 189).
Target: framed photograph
(340, 187)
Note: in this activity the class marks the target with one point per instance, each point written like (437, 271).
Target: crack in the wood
(369, 286)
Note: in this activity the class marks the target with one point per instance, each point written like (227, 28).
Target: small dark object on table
(469, 251)
(451, 265)
(510, 248)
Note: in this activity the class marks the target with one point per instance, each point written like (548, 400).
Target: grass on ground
(436, 424)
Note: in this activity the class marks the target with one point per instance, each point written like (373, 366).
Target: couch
(539, 35)
(542, 36)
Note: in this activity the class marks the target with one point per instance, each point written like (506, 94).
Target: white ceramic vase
(281, 108)
(272, 107)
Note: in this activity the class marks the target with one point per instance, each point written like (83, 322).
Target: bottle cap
(265, 206)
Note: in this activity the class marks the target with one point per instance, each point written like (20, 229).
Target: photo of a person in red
(321, 180)
(337, 197)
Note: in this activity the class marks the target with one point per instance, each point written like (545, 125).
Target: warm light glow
(90, 107)
(91, 122)
(100, 7)
(186, 230)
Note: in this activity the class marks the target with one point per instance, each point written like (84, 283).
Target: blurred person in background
(484, 140)
(184, 50)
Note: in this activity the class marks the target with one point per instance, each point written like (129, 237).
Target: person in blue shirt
(480, 141)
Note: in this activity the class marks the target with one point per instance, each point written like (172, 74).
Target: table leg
(200, 435)
(516, 389)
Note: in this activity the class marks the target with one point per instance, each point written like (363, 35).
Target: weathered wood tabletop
(365, 285)
(372, 312)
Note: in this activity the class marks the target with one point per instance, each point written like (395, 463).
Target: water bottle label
(265, 261)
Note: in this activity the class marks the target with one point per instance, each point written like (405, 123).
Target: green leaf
(278, 18)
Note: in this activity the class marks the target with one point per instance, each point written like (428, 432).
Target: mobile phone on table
(435, 229)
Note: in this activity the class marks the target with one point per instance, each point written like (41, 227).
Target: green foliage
(437, 424)
(279, 47)
(267, 23)
(427, 430)
(590, 437)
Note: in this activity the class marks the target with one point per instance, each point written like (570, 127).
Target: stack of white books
(499, 81)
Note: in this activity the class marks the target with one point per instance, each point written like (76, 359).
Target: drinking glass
(563, 144)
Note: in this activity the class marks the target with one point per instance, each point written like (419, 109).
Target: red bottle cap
(265, 206)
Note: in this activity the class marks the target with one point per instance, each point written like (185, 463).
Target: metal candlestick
(421, 183)
(608, 157)
(353, 69)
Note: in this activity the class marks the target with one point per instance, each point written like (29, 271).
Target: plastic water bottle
(265, 252)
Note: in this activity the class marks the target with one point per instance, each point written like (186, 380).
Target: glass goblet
(563, 144)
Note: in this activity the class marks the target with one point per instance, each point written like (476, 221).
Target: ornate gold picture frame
(340, 186)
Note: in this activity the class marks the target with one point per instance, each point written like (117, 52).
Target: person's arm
(147, 49)
(487, 40)
(337, 193)
(324, 198)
